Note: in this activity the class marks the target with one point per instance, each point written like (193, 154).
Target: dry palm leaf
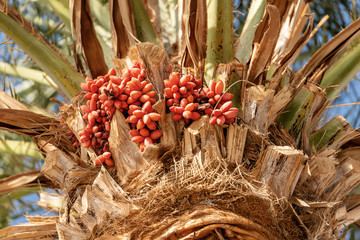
(17, 118)
(327, 53)
(37, 228)
(193, 24)
(85, 36)
(122, 27)
(264, 43)
(23, 180)
(8, 102)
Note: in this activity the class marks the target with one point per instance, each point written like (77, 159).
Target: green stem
(341, 73)
(256, 12)
(144, 29)
(219, 36)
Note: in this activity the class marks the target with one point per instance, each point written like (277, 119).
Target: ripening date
(188, 101)
(131, 94)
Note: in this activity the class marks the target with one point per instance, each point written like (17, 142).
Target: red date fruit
(213, 120)
(190, 107)
(227, 97)
(220, 120)
(154, 116)
(226, 106)
(217, 112)
(109, 162)
(156, 134)
(107, 155)
(219, 87)
(140, 124)
(134, 132)
(84, 87)
(195, 116)
(187, 114)
(148, 141)
(147, 108)
(138, 113)
(144, 132)
(99, 160)
(135, 94)
(184, 80)
(151, 125)
(212, 85)
(174, 78)
(138, 139)
(232, 113)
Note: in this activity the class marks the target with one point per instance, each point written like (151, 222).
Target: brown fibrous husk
(193, 194)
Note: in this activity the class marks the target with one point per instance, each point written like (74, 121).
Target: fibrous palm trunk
(267, 176)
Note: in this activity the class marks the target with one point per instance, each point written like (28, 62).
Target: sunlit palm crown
(275, 173)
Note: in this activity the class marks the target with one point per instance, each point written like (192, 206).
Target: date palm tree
(277, 172)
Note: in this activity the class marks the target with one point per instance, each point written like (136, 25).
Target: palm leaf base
(200, 182)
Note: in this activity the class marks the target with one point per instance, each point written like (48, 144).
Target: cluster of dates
(131, 94)
(188, 101)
